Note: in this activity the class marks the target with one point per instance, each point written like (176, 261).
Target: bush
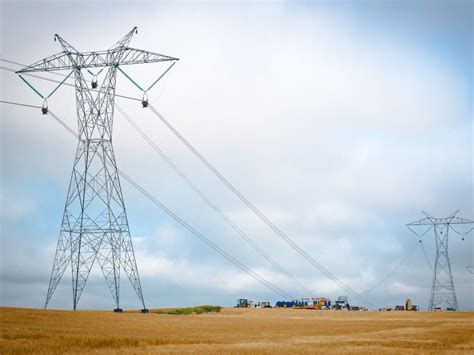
(191, 310)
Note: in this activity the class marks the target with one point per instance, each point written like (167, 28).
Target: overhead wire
(426, 255)
(56, 118)
(18, 104)
(208, 242)
(420, 241)
(387, 276)
(461, 233)
(213, 206)
(174, 216)
(202, 195)
(263, 217)
(420, 236)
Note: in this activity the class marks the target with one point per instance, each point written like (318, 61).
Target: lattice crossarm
(139, 56)
(58, 61)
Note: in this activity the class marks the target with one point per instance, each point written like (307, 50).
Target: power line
(211, 204)
(18, 104)
(239, 195)
(204, 239)
(178, 219)
(421, 242)
(197, 190)
(391, 272)
(426, 255)
(254, 209)
(61, 122)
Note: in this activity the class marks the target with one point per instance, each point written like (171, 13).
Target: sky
(341, 121)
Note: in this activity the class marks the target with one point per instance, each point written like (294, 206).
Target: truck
(341, 304)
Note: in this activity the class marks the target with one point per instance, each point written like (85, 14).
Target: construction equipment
(244, 303)
(318, 303)
(341, 303)
(322, 303)
(291, 304)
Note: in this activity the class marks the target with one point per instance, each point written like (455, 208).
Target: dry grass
(264, 331)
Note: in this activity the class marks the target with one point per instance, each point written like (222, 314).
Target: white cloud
(339, 135)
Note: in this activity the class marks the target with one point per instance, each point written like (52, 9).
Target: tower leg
(83, 254)
(62, 259)
(109, 261)
(432, 306)
(130, 266)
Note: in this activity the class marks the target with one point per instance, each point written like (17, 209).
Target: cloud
(337, 127)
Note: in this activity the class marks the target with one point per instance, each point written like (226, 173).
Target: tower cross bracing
(94, 226)
(443, 293)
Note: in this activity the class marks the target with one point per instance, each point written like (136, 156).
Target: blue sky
(340, 120)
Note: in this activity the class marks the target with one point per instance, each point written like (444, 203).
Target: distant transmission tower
(94, 225)
(442, 289)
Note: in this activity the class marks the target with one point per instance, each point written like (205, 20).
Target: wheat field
(261, 331)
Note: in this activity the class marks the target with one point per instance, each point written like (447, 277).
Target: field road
(250, 331)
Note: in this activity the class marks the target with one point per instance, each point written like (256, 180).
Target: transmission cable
(420, 236)
(426, 256)
(211, 204)
(391, 272)
(254, 209)
(403, 261)
(203, 238)
(56, 118)
(463, 234)
(178, 219)
(18, 104)
(239, 195)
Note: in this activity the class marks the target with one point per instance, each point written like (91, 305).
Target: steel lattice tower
(443, 292)
(94, 225)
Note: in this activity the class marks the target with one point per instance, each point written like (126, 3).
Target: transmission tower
(443, 293)
(94, 225)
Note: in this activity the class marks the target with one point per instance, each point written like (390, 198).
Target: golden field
(262, 331)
